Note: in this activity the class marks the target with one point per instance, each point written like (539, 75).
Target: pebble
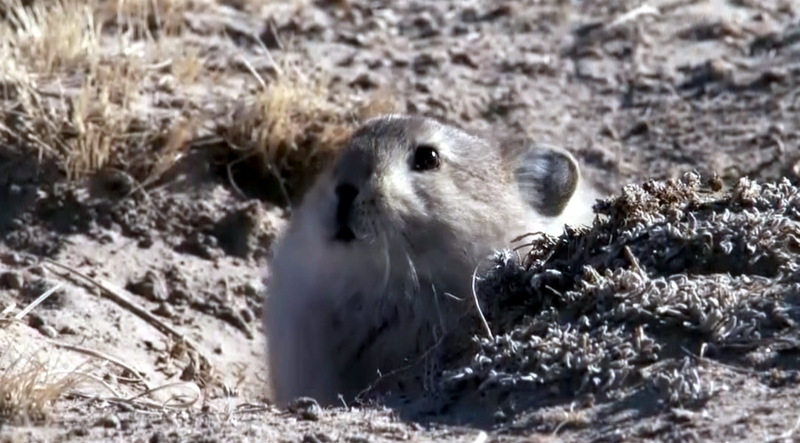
(152, 287)
(365, 80)
(11, 280)
(306, 408)
(48, 331)
(164, 310)
(12, 259)
(247, 315)
(109, 421)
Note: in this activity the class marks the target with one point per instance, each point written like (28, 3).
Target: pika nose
(346, 193)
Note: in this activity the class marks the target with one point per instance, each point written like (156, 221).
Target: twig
(231, 180)
(182, 405)
(253, 71)
(633, 260)
(102, 356)
(633, 14)
(38, 301)
(132, 401)
(116, 295)
(247, 408)
(8, 309)
(485, 324)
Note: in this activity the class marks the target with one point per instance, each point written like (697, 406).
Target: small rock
(109, 421)
(497, 12)
(105, 238)
(112, 183)
(364, 81)
(67, 330)
(423, 87)
(201, 245)
(11, 280)
(145, 242)
(375, 63)
(353, 39)
(232, 317)
(424, 63)
(48, 331)
(464, 58)
(189, 373)
(79, 432)
(164, 310)
(247, 315)
(400, 60)
(151, 287)
(682, 415)
(38, 271)
(306, 408)
(426, 26)
(180, 296)
(12, 259)
(249, 289)
(36, 321)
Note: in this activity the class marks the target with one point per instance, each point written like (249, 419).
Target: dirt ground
(158, 277)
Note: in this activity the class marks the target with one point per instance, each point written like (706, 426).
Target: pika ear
(547, 176)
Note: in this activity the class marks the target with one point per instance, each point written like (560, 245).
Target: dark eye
(426, 158)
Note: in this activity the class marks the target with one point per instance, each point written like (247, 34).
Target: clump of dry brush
(675, 274)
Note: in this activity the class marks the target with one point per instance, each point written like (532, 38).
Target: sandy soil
(635, 92)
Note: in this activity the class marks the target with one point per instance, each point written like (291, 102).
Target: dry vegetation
(264, 92)
(29, 385)
(124, 85)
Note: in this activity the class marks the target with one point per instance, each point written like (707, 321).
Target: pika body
(377, 262)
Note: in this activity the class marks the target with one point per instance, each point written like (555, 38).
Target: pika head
(403, 179)
(371, 269)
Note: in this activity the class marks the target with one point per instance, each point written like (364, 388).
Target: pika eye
(426, 158)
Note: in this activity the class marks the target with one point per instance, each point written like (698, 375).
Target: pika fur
(377, 261)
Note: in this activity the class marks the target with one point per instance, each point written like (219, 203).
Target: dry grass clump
(290, 129)
(679, 276)
(28, 388)
(70, 91)
(131, 84)
(28, 385)
(147, 17)
(47, 38)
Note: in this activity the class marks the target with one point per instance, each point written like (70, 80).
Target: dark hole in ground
(253, 178)
(249, 176)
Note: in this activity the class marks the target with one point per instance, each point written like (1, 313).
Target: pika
(377, 261)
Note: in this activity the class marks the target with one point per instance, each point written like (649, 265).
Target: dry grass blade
(5, 312)
(477, 302)
(97, 354)
(38, 301)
